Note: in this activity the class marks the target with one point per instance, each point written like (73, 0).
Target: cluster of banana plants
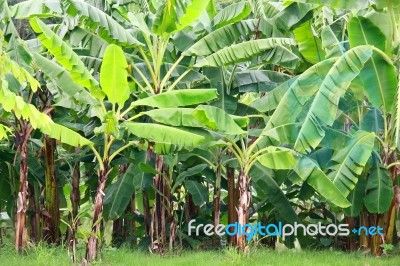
(146, 114)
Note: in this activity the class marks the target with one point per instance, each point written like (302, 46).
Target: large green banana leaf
(340, 4)
(310, 46)
(379, 189)
(231, 14)
(198, 191)
(258, 80)
(118, 195)
(178, 98)
(165, 134)
(355, 197)
(310, 172)
(104, 25)
(277, 158)
(114, 75)
(274, 50)
(62, 78)
(379, 74)
(328, 95)
(64, 55)
(217, 119)
(263, 181)
(16, 104)
(175, 15)
(349, 161)
(222, 37)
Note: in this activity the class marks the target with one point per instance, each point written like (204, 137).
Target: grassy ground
(41, 255)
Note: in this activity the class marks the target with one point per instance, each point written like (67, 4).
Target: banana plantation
(155, 125)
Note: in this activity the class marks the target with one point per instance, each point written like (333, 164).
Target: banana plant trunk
(232, 201)
(376, 240)
(351, 243)
(75, 202)
(365, 240)
(146, 212)
(21, 233)
(242, 209)
(33, 217)
(168, 203)
(158, 232)
(93, 241)
(52, 234)
(75, 196)
(387, 220)
(391, 214)
(217, 201)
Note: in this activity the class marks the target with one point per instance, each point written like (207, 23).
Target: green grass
(45, 256)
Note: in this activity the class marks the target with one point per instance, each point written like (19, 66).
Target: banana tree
(148, 61)
(379, 81)
(231, 44)
(29, 119)
(114, 75)
(376, 81)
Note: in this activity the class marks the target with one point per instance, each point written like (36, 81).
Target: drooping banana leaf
(64, 55)
(379, 189)
(310, 172)
(178, 98)
(222, 37)
(104, 25)
(165, 134)
(231, 14)
(379, 74)
(274, 50)
(349, 161)
(175, 15)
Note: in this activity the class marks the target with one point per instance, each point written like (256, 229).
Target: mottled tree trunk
(217, 202)
(232, 201)
(162, 214)
(242, 209)
(158, 231)
(75, 198)
(390, 223)
(364, 239)
(34, 212)
(21, 234)
(33, 216)
(52, 235)
(146, 212)
(388, 219)
(391, 214)
(376, 240)
(351, 243)
(169, 209)
(93, 241)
